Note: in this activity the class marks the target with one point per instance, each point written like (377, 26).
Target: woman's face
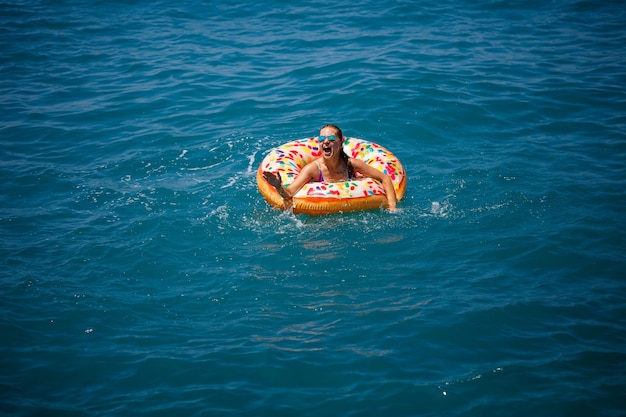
(330, 148)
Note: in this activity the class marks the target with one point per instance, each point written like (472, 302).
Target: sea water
(143, 273)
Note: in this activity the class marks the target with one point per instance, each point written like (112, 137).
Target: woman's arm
(368, 171)
(307, 174)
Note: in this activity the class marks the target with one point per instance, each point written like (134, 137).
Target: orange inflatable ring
(317, 198)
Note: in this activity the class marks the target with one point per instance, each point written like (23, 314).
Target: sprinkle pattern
(289, 159)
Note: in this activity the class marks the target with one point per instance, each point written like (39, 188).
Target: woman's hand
(273, 179)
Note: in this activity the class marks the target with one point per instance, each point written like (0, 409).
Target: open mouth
(327, 150)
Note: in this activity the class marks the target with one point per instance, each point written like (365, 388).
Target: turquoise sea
(142, 273)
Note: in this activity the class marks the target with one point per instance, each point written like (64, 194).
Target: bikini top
(321, 177)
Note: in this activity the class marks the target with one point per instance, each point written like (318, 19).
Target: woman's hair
(337, 129)
(343, 155)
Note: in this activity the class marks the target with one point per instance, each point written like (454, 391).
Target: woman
(333, 166)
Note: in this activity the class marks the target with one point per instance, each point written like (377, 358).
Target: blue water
(143, 274)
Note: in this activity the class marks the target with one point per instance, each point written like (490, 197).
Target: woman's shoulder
(312, 168)
(314, 163)
(355, 162)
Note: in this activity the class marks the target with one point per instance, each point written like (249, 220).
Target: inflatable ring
(317, 198)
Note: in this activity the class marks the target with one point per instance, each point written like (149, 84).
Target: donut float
(317, 198)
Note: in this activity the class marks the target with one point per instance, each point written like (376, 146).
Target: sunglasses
(331, 138)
